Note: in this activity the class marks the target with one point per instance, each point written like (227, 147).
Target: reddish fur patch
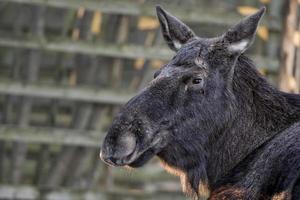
(282, 196)
(228, 193)
(203, 189)
(235, 193)
(176, 172)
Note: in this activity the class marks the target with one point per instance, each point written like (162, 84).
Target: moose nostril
(107, 159)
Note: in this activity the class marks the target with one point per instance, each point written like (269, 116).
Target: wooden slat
(111, 50)
(18, 159)
(68, 160)
(19, 148)
(297, 61)
(98, 120)
(121, 38)
(274, 15)
(40, 172)
(125, 51)
(2, 161)
(287, 80)
(95, 172)
(59, 168)
(59, 136)
(80, 157)
(141, 74)
(197, 14)
(21, 192)
(77, 94)
(158, 192)
(14, 173)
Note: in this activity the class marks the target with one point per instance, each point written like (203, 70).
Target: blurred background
(66, 67)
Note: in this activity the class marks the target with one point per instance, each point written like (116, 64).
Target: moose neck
(260, 112)
(187, 159)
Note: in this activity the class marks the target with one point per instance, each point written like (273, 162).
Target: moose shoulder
(212, 119)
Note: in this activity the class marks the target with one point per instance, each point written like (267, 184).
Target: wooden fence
(66, 67)
(290, 70)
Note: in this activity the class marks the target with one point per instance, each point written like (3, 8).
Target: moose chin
(212, 119)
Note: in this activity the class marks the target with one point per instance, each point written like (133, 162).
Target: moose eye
(197, 80)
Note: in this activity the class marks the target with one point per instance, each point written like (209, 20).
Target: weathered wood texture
(66, 67)
(290, 65)
(31, 193)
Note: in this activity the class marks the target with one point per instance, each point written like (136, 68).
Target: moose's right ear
(175, 32)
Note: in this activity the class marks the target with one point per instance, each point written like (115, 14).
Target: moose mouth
(142, 159)
(135, 159)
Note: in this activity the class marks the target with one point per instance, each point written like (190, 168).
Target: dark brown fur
(213, 120)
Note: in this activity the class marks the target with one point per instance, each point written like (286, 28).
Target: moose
(212, 119)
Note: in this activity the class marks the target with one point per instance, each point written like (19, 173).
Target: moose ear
(241, 36)
(175, 32)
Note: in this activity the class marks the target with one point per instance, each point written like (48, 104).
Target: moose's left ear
(175, 32)
(241, 36)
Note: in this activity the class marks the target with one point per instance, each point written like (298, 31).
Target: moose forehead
(195, 52)
(191, 57)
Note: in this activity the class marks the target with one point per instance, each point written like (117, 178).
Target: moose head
(196, 112)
